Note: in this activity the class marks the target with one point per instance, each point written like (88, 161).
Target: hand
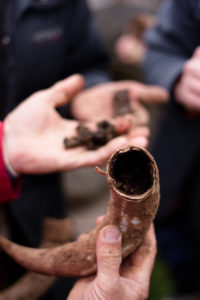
(187, 89)
(130, 49)
(34, 133)
(95, 104)
(112, 282)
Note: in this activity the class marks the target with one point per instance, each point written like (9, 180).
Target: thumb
(63, 91)
(196, 52)
(108, 256)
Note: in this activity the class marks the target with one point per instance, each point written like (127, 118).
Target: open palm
(34, 133)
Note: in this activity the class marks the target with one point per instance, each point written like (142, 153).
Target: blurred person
(43, 42)
(130, 47)
(173, 62)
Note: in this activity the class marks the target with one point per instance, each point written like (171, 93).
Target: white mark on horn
(135, 221)
(124, 223)
(90, 257)
(127, 248)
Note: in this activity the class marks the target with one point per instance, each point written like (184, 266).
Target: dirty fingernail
(111, 234)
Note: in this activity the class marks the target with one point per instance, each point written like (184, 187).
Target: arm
(172, 42)
(112, 282)
(34, 132)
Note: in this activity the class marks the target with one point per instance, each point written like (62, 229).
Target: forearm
(163, 69)
(171, 42)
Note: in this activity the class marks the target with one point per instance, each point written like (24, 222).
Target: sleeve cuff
(162, 69)
(9, 189)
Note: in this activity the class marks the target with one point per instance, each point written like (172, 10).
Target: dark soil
(105, 130)
(121, 103)
(92, 139)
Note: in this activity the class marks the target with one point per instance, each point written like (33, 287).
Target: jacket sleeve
(171, 42)
(9, 189)
(88, 55)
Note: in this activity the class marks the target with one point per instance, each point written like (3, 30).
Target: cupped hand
(112, 282)
(187, 89)
(96, 103)
(34, 133)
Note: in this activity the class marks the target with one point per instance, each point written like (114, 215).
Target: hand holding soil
(121, 106)
(95, 104)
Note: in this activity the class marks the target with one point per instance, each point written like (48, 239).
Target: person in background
(173, 62)
(43, 42)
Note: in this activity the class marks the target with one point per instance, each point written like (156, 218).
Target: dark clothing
(177, 148)
(44, 41)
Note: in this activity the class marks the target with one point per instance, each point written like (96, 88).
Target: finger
(196, 52)
(143, 259)
(149, 94)
(101, 155)
(123, 123)
(189, 99)
(139, 136)
(63, 91)
(140, 131)
(82, 236)
(139, 141)
(108, 255)
(99, 220)
(193, 84)
(191, 68)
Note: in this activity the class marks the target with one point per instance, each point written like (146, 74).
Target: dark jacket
(172, 41)
(44, 41)
(170, 44)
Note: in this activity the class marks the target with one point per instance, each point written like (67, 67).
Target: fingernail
(111, 234)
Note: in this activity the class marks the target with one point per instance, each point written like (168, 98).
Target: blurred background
(121, 24)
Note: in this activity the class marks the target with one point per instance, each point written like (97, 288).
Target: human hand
(130, 49)
(96, 103)
(112, 282)
(34, 133)
(187, 89)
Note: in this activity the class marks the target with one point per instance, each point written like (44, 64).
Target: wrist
(6, 153)
(12, 172)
